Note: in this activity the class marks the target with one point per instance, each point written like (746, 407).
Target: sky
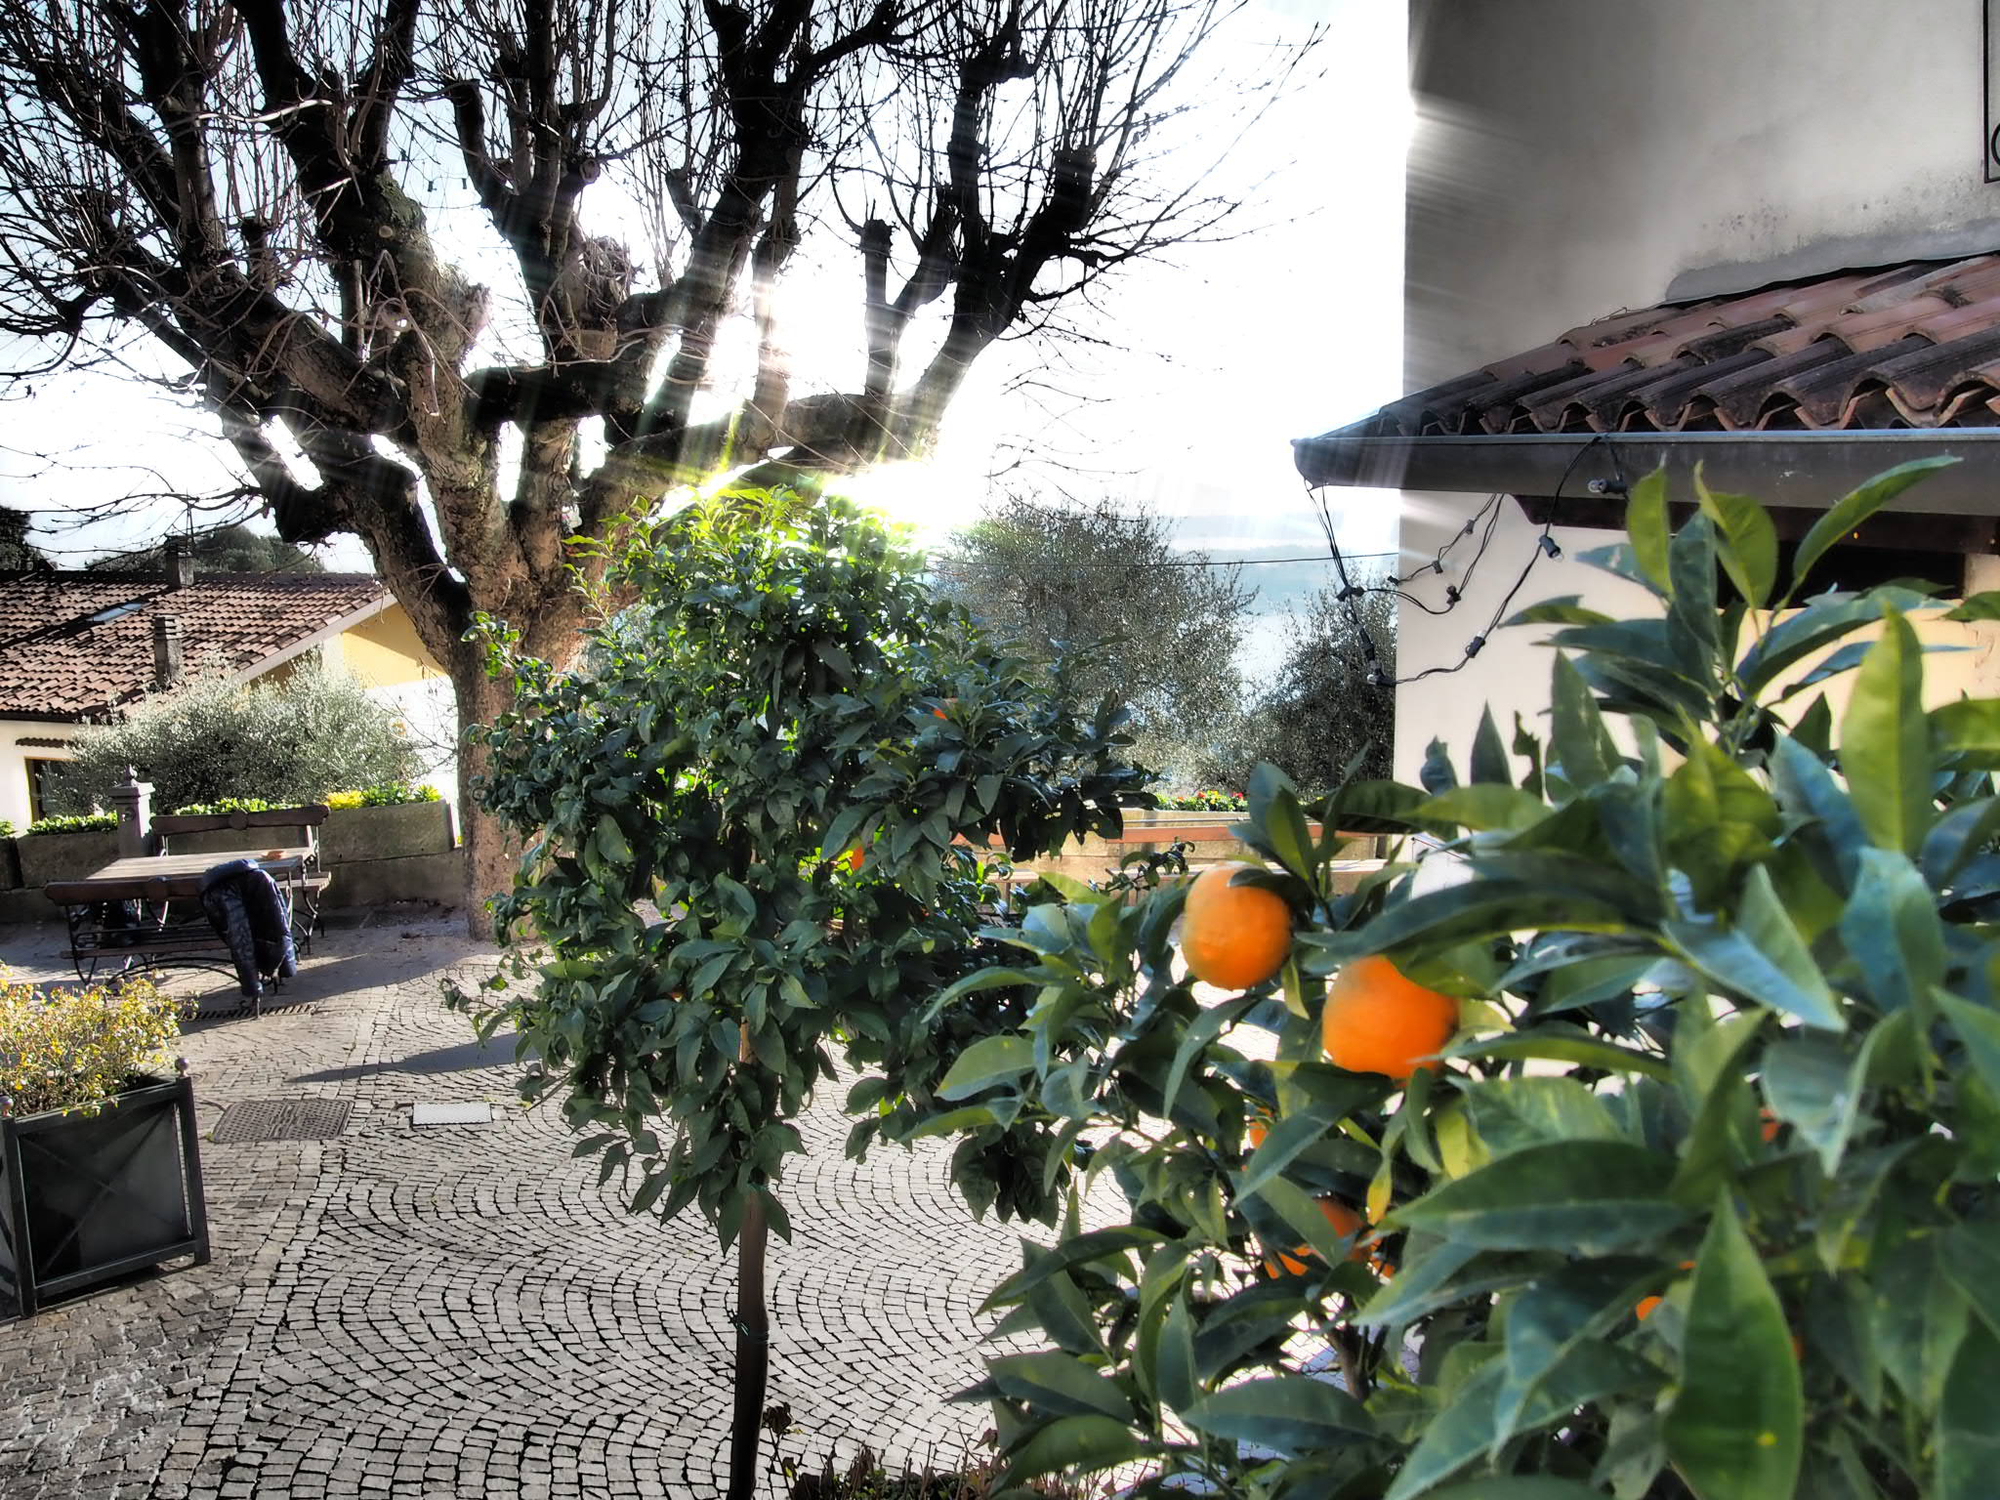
(1215, 359)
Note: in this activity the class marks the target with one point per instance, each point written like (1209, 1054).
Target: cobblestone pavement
(460, 1310)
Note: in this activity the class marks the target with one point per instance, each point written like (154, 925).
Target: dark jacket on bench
(248, 914)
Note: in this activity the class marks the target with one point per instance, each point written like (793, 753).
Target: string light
(1545, 546)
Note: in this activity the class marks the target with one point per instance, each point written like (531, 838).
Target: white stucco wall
(1575, 157)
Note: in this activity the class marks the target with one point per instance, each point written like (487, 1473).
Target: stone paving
(460, 1310)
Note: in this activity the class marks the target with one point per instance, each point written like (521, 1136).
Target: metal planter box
(87, 1198)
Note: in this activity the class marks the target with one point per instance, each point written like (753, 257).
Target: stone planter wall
(375, 855)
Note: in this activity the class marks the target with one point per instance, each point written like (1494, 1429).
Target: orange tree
(1724, 971)
(781, 690)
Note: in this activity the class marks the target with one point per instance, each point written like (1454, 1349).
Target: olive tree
(754, 818)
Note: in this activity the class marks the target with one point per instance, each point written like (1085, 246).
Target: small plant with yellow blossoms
(77, 1048)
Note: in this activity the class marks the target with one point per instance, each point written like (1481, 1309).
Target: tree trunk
(490, 851)
(753, 1352)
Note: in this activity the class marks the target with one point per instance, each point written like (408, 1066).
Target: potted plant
(99, 1170)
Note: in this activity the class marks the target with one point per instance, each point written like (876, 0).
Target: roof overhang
(1572, 476)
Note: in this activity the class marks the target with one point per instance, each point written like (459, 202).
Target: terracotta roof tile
(1915, 345)
(74, 645)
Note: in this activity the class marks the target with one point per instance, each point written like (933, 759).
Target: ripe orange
(939, 713)
(856, 858)
(1258, 1130)
(1234, 936)
(1345, 1222)
(1376, 1021)
(1646, 1306)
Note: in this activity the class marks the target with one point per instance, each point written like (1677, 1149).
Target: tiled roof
(76, 644)
(1916, 346)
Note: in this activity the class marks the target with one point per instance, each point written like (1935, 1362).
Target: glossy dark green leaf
(1818, 625)
(1736, 963)
(1885, 741)
(1082, 1445)
(1808, 794)
(1810, 1083)
(1564, 611)
(1461, 1433)
(1551, 1320)
(990, 1060)
(1646, 524)
(1748, 542)
(1735, 1430)
(1956, 838)
(1979, 1029)
(1585, 1197)
(1983, 606)
(1275, 814)
(1891, 929)
(1856, 506)
(1967, 1438)
(1515, 1113)
(1291, 1414)
(1287, 1139)
(1176, 1359)
(1059, 1384)
(1518, 1487)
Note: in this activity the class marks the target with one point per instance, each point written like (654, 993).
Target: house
(76, 648)
(1762, 237)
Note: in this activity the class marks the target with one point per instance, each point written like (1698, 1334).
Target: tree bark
(753, 1337)
(490, 851)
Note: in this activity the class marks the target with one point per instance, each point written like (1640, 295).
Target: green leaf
(1291, 1414)
(1856, 506)
(1483, 805)
(1891, 928)
(1979, 1029)
(1278, 821)
(1080, 1444)
(1584, 1197)
(1968, 1442)
(1550, 1320)
(1716, 820)
(1957, 838)
(1490, 766)
(1059, 1384)
(1571, 1047)
(1748, 540)
(1810, 1083)
(1735, 1430)
(1518, 1487)
(1646, 524)
(1201, 1031)
(1735, 963)
(1287, 1139)
(987, 1061)
(1514, 1113)
(1983, 606)
(1885, 742)
(1176, 1358)
(1580, 744)
(1968, 727)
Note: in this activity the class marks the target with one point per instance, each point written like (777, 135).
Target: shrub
(1702, 1199)
(226, 805)
(392, 794)
(74, 823)
(1206, 800)
(74, 1049)
(286, 744)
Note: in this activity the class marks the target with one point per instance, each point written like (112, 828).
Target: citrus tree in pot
(100, 1173)
(1651, 1156)
(754, 822)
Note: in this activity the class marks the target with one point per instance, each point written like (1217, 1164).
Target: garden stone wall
(374, 854)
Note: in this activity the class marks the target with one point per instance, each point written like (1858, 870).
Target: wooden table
(157, 881)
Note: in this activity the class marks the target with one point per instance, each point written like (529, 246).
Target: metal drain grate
(258, 1120)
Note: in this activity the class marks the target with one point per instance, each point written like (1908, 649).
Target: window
(38, 771)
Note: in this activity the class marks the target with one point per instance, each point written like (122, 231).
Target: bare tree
(279, 207)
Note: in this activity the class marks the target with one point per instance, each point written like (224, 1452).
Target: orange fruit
(1646, 1306)
(1258, 1130)
(1376, 1021)
(856, 858)
(1770, 1126)
(1345, 1222)
(1234, 936)
(939, 713)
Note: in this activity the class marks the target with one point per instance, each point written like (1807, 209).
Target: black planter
(87, 1198)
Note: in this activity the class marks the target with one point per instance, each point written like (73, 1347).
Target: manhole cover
(258, 1120)
(451, 1114)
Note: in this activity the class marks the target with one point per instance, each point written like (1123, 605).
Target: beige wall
(14, 758)
(384, 651)
(1575, 157)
